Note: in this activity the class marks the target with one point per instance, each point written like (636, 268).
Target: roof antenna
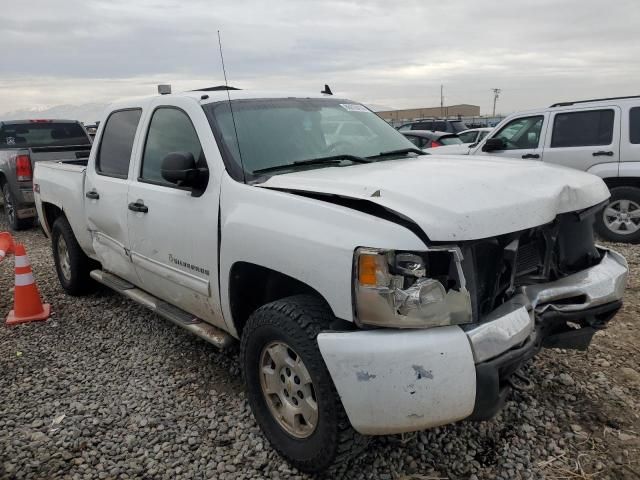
(233, 118)
(327, 90)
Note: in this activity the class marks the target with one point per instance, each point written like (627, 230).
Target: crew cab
(22, 144)
(373, 289)
(600, 136)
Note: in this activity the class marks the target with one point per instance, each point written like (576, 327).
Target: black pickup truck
(22, 144)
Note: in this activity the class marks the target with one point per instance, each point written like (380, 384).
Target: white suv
(598, 136)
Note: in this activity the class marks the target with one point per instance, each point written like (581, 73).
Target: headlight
(410, 289)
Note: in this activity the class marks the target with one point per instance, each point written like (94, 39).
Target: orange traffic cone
(27, 305)
(6, 244)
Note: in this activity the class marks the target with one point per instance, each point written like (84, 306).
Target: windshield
(275, 132)
(42, 134)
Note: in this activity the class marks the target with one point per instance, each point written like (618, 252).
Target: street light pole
(496, 94)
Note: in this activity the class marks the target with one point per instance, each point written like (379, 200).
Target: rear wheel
(289, 388)
(72, 265)
(620, 219)
(10, 211)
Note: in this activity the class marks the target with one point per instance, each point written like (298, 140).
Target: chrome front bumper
(514, 321)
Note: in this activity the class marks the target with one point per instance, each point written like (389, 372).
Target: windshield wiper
(314, 161)
(398, 152)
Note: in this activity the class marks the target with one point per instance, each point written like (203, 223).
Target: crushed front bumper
(393, 381)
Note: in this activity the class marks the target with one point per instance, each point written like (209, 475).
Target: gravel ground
(104, 389)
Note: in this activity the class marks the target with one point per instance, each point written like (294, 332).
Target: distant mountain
(87, 113)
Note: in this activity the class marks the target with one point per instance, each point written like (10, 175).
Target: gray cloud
(376, 51)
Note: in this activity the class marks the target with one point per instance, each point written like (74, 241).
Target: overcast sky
(378, 52)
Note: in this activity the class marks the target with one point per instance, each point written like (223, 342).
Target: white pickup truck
(374, 289)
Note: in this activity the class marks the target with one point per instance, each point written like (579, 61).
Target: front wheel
(289, 388)
(72, 265)
(620, 219)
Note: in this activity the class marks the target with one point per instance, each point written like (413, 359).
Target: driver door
(523, 138)
(173, 233)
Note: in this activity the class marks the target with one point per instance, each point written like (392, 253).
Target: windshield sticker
(11, 141)
(354, 107)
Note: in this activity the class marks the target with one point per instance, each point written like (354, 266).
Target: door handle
(530, 155)
(601, 153)
(93, 195)
(138, 207)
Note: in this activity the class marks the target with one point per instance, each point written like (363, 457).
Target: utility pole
(496, 94)
(441, 101)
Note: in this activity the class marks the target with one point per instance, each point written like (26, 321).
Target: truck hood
(453, 197)
(459, 149)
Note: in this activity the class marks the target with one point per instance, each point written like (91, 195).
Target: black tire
(631, 194)
(77, 281)
(14, 222)
(297, 321)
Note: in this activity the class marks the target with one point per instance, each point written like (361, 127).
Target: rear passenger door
(106, 187)
(583, 138)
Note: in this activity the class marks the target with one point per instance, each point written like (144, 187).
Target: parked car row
(373, 289)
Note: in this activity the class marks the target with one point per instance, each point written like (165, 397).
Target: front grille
(529, 258)
(498, 266)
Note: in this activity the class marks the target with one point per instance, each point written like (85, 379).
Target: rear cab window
(583, 128)
(42, 133)
(116, 144)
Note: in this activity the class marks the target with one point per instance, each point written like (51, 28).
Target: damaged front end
(445, 331)
(549, 286)
(571, 286)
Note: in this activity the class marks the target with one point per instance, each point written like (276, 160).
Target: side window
(521, 133)
(421, 126)
(114, 153)
(634, 125)
(467, 137)
(170, 130)
(481, 135)
(580, 129)
(440, 126)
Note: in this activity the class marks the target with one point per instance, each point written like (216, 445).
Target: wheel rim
(8, 205)
(288, 390)
(63, 259)
(622, 217)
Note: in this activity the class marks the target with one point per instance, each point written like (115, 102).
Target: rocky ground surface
(106, 390)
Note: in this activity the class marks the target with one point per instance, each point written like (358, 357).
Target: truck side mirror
(493, 144)
(180, 168)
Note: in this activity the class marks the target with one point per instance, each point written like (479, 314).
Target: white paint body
(450, 198)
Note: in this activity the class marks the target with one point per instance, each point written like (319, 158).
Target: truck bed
(60, 184)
